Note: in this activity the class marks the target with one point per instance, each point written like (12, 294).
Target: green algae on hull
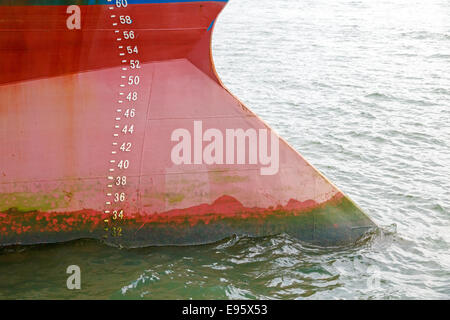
(336, 222)
(26, 201)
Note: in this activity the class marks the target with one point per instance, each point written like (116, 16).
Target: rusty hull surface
(62, 110)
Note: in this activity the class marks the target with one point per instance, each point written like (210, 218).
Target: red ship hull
(115, 126)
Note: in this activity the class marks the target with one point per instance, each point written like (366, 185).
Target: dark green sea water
(236, 268)
(362, 90)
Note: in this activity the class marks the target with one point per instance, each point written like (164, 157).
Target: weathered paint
(329, 223)
(58, 95)
(36, 37)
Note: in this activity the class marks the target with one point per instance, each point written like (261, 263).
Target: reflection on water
(276, 267)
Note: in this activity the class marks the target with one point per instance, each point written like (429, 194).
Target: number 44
(128, 129)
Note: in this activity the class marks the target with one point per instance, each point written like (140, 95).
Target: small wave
(422, 35)
(379, 237)
(380, 96)
(441, 91)
(439, 56)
